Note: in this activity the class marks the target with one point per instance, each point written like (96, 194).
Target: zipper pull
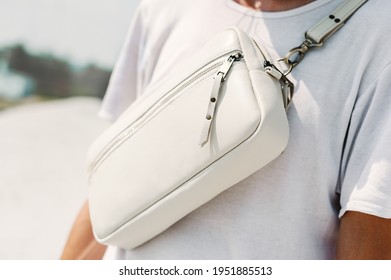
(224, 69)
(219, 78)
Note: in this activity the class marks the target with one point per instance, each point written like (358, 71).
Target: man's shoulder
(174, 6)
(370, 27)
(376, 14)
(165, 14)
(171, 5)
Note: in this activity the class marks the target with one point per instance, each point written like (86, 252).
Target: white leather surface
(159, 174)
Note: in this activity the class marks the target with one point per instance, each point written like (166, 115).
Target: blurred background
(56, 57)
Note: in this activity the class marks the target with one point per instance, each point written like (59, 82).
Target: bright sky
(83, 31)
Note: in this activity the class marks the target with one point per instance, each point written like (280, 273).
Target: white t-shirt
(339, 153)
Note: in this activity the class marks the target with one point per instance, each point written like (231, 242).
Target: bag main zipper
(160, 104)
(219, 79)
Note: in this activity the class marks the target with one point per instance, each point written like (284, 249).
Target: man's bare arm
(81, 244)
(364, 237)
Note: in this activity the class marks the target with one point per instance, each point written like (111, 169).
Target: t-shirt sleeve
(124, 85)
(366, 165)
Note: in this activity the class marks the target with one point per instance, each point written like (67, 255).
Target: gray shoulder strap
(315, 36)
(331, 23)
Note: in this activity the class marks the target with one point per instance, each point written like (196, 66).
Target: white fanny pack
(219, 119)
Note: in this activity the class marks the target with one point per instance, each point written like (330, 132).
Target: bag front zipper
(166, 99)
(219, 78)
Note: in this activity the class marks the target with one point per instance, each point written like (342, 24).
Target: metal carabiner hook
(296, 55)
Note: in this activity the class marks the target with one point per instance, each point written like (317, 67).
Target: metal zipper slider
(224, 69)
(219, 78)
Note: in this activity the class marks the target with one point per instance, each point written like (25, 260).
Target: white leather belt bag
(219, 119)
